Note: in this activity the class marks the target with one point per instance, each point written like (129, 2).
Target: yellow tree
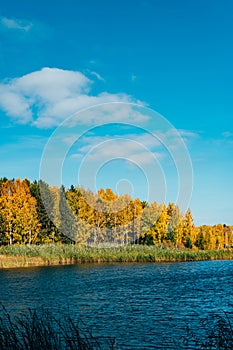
(7, 211)
(205, 238)
(189, 230)
(99, 221)
(227, 236)
(110, 202)
(218, 232)
(160, 227)
(150, 215)
(19, 211)
(79, 202)
(175, 224)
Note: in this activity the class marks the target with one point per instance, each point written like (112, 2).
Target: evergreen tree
(45, 204)
(68, 224)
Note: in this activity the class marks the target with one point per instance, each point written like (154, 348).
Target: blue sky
(171, 57)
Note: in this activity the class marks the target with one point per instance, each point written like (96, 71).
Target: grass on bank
(29, 255)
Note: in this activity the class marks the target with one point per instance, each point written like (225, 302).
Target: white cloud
(227, 134)
(188, 134)
(140, 149)
(11, 23)
(174, 138)
(97, 75)
(45, 98)
(144, 140)
(69, 140)
(113, 149)
(14, 104)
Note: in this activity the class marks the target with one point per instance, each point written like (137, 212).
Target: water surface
(143, 305)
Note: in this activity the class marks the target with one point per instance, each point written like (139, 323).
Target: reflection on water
(143, 305)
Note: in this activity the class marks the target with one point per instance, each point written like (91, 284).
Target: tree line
(36, 213)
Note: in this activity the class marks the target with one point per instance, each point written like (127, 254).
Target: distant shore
(52, 254)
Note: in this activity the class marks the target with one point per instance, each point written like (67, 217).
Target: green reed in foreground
(25, 255)
(217, 333)
(36, 330)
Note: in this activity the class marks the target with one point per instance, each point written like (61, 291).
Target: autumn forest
(35, 213)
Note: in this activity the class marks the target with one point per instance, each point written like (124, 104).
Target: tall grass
(26, 255)
(217, 333)
(36, 330)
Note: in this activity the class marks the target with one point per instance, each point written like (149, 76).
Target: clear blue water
(143, 305)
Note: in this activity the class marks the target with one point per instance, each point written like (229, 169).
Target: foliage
(18, 212)
(37, 213)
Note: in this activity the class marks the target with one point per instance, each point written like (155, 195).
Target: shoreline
(45, 255)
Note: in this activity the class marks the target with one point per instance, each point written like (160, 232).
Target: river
(144, 306)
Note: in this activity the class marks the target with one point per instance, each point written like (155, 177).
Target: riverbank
(43, 255)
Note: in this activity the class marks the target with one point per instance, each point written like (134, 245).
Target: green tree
(44, 219)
